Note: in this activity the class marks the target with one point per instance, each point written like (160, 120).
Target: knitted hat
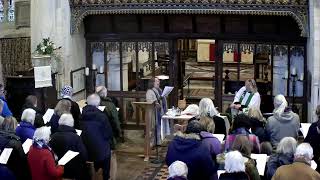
(66, 91)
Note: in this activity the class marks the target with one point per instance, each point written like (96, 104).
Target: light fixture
(163, 77)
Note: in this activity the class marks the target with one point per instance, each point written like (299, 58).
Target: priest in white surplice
(246, 97)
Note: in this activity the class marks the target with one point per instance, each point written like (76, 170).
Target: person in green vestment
(247, 97)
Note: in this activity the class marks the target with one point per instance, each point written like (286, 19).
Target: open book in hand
(67, 157)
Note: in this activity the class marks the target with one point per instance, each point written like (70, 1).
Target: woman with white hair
(97, 135)
(64, 139)
(283, 123)
(300, 168)
(283, 156)
(178, 170)
(40, 157)
(234, 166)
(25, 129)
(207, 108)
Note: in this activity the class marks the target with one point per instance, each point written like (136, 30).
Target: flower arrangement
(46, 47)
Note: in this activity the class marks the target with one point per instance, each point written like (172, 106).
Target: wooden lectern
(149, 114)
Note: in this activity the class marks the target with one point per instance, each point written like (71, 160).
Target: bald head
(93, 100)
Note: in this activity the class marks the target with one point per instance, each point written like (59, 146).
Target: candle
(87, 71)
(94, 67)
(294, 71)
(301, 76)
(101, 69)
(286, 74)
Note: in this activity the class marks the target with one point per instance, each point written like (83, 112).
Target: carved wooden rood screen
(298, 9)
(235, 28)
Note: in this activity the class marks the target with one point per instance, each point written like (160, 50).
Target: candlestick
(94, 67)
(301, 77)
(87, 71)
(101, 69)
(286, 74)
(294, 71)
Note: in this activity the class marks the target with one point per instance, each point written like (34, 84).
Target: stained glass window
(11, 11)
(1, 11)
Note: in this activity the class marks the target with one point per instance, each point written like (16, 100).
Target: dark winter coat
(189, 149)
(6, 173)
(66, 139)
(96, 133)
(277, 160)
(17, 162)
(54, 123)
(234, 176)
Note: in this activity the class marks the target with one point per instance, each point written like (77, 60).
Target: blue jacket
(191, 150)
(25, 130)
(6, 173)
(96, 133)
(5, 110)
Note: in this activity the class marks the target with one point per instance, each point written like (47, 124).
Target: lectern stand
(149, 115)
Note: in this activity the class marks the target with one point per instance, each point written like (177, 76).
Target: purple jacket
(254, 140)
(211, 142)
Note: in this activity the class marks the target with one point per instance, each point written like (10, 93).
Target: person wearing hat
(66, 93)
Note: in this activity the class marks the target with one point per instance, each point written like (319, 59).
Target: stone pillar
(314, 57)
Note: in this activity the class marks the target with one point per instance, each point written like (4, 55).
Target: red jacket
(43, 166)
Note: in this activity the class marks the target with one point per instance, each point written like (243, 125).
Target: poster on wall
(78, 80)
(205, 50)
(42, 76)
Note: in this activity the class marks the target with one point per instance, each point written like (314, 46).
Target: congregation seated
(63, 106)
(207, 136)
(17, 162)
(243, 145)
(300, 168)
(207, 109)
(31, 102)
(283, 156)
(40, 157)
(66, 93)
(283, 122)
(178, 170)
(241, 126)
(313, 138)
(96, 135)
(64, 139)
(189, 149)
(25, 129)
(235, 167)
(258, 123)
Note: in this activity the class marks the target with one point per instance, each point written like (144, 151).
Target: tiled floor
(130, 164)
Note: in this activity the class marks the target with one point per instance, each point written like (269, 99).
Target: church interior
(218, 55)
